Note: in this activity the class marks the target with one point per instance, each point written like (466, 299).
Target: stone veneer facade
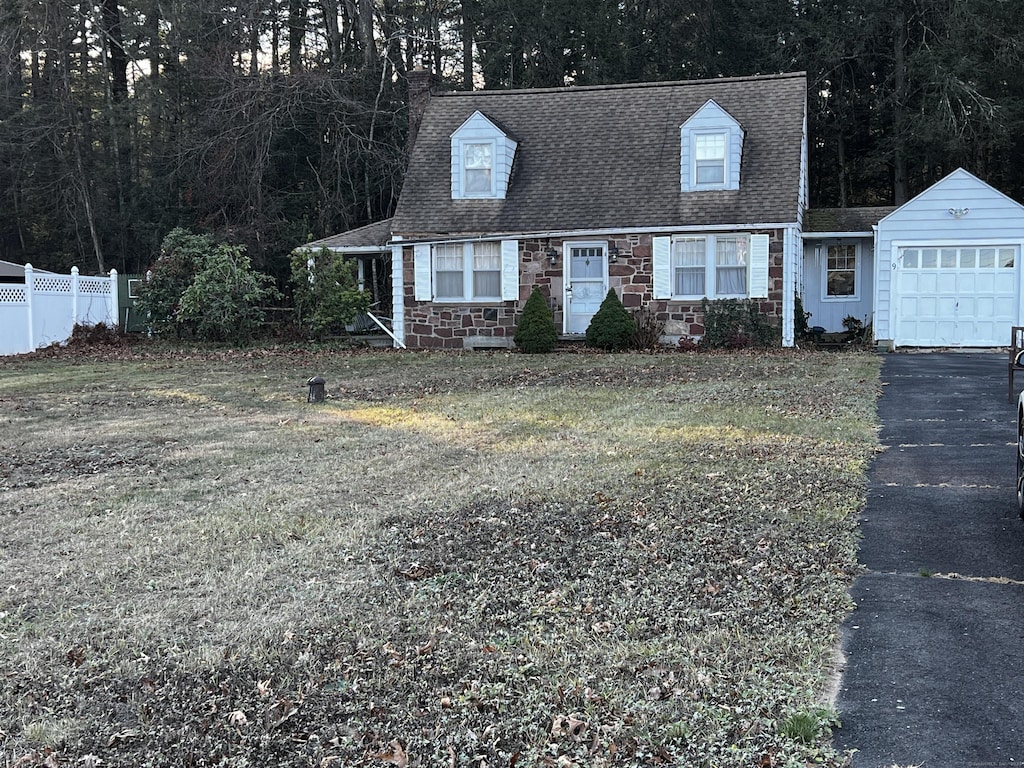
(493, 324)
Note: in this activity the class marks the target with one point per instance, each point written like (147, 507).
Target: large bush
(611, 328)
(736, 324)
(327, 295)
(182, 256)
(200, 289)
(536, 331)
(224, 301)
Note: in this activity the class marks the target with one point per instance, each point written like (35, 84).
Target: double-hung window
(449, 271)
(478, 169)
(467, 271)
(731, 258)
(841, 272)
(689, 266)
(709, 158)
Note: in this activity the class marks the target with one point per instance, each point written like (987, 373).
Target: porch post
(397, 295)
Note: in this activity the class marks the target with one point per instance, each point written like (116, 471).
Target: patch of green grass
(587, 558)
(807, 727)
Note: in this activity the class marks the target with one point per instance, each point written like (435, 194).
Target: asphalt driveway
(935, 649)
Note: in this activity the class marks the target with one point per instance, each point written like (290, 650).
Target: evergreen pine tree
(536, 331)
(612, 328)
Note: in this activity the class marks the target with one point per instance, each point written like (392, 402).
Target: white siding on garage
(958, 211)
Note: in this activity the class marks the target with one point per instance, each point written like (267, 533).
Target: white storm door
(956, 296)
(586, 283)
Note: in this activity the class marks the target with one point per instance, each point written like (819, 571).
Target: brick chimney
(422, 83)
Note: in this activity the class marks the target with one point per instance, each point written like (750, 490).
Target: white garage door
(956, 296)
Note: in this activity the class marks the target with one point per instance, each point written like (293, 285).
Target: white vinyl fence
(48, 306)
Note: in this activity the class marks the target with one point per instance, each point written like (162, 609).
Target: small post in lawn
(316, 389)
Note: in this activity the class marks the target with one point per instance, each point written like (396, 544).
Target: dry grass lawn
(457, 560)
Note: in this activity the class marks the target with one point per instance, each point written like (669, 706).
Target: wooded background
(268, 122)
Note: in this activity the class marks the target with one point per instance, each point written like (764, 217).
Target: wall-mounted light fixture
(959, 213)
(613, 254)
(552, 255)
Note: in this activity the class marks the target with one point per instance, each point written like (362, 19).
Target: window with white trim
(841, 271)
(731, 252)
(709, 158)
(689, 265)
(710, 266)
(467, 271)
(478, 169)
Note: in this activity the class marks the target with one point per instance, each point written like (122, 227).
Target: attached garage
(947, 267)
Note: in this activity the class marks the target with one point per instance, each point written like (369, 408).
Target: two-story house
(668, 193)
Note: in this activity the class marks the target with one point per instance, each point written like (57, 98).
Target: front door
(586, 284)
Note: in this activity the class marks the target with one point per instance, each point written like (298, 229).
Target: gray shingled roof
(608, 157)
(10, 269)
(369, 237)
(845, 219)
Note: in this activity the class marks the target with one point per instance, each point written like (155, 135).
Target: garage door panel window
(950, 258)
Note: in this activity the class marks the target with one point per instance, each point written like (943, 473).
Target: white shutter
(662, 251)
(758, 273)
(509, 270)
(421, 272)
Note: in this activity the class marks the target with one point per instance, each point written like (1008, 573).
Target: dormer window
(709, 158)
(482, 155)
(478, 169)
(711, 150)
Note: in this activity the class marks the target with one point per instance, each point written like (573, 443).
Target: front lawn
(457, 560)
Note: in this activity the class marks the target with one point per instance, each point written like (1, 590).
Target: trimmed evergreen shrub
(612, 328)
(536, 330)
(736, 324)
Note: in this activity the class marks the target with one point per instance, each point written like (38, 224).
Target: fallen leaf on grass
(122, 736)
(238, 718)
(395, 755)
(571, 725)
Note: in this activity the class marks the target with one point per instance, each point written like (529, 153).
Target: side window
(841, 272)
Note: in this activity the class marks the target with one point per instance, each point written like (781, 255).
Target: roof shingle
(608, 157)
(845, 219)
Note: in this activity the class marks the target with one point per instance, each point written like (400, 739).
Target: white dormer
(711, 150)
(482, 157)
